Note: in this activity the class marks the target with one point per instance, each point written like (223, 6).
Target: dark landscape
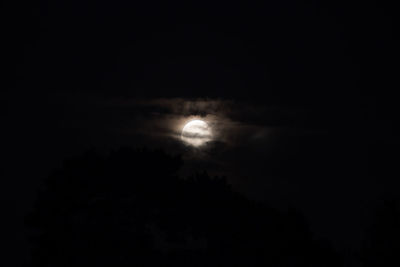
(212, 133)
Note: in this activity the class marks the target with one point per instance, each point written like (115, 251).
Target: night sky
(300, 95)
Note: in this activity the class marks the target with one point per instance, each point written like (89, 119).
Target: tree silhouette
(382, 247)
(130, 208)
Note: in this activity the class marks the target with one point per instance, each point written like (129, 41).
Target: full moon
(196, 133)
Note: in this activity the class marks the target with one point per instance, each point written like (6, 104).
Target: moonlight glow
(196, 133)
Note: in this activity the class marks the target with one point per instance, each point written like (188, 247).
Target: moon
(196, 133)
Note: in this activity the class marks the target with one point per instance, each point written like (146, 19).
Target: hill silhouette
(130, 208)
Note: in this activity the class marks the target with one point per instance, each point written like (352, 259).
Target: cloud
(232, 123)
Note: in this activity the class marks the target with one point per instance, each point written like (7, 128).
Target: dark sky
(301, 92)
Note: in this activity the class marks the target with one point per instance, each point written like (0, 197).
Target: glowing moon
(196, 133)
